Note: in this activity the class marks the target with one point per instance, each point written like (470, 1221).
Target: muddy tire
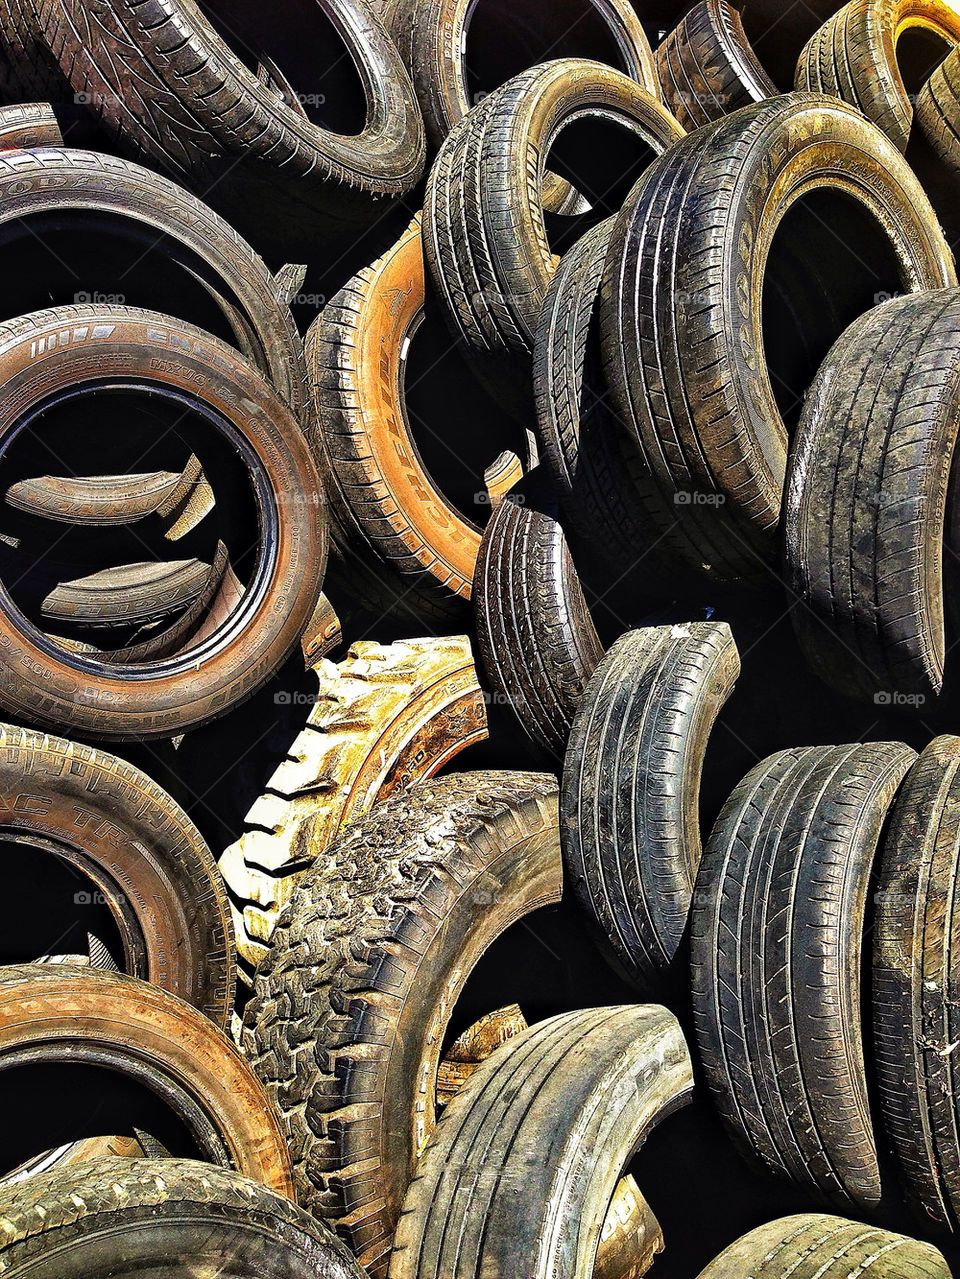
(631, 788)
(559, 1111)
(124, 1216)
(690, 370)
(707, 68)
(537, 641)
(814, 1246)
(137, 845)
(73, 348)
(385, 718)
(854, 56)
(776, 941)
(148, 1035)
(866, 511)
(916, 982)
(365, 967)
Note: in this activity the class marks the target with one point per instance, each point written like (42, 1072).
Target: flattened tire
(916, 982)
(138, 846)
(148, 1035)
(537, 641)
(814, 1246)
(558, 1112)
(123, 1216)
(80, 349)
(631, 788)
(687, 362)
(866, 511)
(854, 57)
(707, 68)
(776, 942)
(365, 967)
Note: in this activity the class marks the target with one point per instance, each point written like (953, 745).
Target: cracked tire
(867, 511)
(365, 967)
(558, 1112)
(776, 943)
(631, 787)
(128, 1217)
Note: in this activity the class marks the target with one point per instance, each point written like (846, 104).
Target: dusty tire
(385, 717)
(778, 35)
(707, 68)
(27, 126)
(75, 350)
(820, 1247)
(537, 641)
(59, 1013)
(776, 940)
(137, 845)
(916, 982)
(170, 89)
(525, 1160)
(688, 365)
(866, 510)
(124, 1216)
(390, 514)
(631, 787)
(484, 234)
(384, 934)
(854, 56)
(938, 113)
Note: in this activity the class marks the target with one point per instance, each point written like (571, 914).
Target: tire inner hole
(919, 52)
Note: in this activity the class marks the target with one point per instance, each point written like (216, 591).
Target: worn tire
(631, 788)
(168, 88)
(776, 940)
(916, 982)
(384, 718)
(814, 1246)
(707, 68)
(938, 113)
(129, 837)
(526, 1158)
(27, 126)
(484, 235)
(71, 348)
(365, 967)
(866, 510)
(685, 357)
(854, 57)
(124, 1216)
(537, 641)
(53, 1012)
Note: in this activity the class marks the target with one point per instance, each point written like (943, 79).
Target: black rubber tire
(707, 68)
(484, 235)
(916, 982)
(631, 788)
(125, 1216)
(938, 113)
(350, 1005)
(776, 941)
(29, 125)
(537, 642)
(28, 70)
(170, 90)
(866, 509)
(686, 361)
(190, 242)
(129, 837)
(814, 1246)
(778, 34)
(853, 56)
(526, 1158)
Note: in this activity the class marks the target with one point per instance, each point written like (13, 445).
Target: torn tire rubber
(631, 788)
(714, 325)
(776, 943)
(559, 1111)
(861, 56)
(128, 1216)
(867, 510)
(537, 641)
(365, 966)
(707, 68)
